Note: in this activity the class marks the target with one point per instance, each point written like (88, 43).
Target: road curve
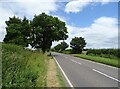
(79, 72)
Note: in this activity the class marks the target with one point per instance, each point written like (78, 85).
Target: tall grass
(22, 67)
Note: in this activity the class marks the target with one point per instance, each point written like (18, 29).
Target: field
(23, 67)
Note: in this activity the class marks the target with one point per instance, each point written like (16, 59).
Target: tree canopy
(61, 47)
(18, 31)
(77, 44)
(57, 47)
(64, 45)
(39, 32)
(45, 30)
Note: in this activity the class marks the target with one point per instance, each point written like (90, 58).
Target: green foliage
(45, 30)
(23, 67)
(77, 44)
(108, 61)
(68, 51)
(40, 32)
(18, 31)
(61, 47)
(64, 45)
(57, 47)
(107, 53)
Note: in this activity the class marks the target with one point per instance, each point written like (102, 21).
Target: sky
(94, 20)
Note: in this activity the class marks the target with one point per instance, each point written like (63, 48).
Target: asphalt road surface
(79, 72)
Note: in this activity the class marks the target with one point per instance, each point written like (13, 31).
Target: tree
(57, 47)
(18, 31)
(61, 47)
(45, 30)
(64, 45)
(77, 44)
(26, 31)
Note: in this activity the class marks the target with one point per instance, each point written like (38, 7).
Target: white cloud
(37, 7)
(21, 8)
(61, 18)
(31, 7)
(102, 33)
(5, 14)
(76, 6)
(79, 5)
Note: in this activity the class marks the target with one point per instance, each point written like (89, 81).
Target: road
(79, 72)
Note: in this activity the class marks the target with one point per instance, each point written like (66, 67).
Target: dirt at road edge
(52, 80)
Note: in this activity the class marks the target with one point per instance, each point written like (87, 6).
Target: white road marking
(93, 62)
(97, 63)
(64, 74)
(76, 62)
(106, 75)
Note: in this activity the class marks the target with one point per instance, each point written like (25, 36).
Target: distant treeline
(108, 53)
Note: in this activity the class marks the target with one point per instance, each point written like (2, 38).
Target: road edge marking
(63, 73)
(106, 75)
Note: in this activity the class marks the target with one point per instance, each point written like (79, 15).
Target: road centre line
(97, 63)
(106, 75)
(64, 73)
(76, 62)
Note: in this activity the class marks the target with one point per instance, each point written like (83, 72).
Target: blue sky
(89, 14)
(95, 21)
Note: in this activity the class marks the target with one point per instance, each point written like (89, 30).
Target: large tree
(18, 31)
(26, 31)
(45, 30)
(77, 44)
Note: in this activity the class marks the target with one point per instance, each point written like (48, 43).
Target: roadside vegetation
(23, 67)
(106, 53)
(106, 56)
(109, 61)
(26, 68)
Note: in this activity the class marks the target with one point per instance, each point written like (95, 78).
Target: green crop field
(23, 67)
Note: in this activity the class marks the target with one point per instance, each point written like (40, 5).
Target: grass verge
(22, 67)
(108, 61)
(54, 78)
